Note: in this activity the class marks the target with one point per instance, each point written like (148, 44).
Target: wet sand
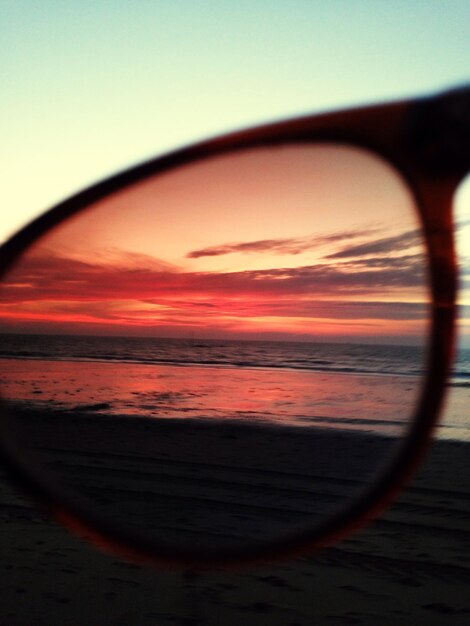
(411, 566)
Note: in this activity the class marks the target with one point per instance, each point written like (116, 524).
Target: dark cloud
(280, 246)
(397, 243)
(463, 261)
(343, 309)
(47, 293)
(464, 311)
(62, 279)
(464, 282)
(283, 246)
(411, 262)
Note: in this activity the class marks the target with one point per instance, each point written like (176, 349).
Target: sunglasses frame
(426, 141)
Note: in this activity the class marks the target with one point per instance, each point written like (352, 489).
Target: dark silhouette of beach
(385, 574)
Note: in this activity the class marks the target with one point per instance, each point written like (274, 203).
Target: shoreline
(216, 365)
(278, 396)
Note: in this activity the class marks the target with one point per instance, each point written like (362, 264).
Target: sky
(91, 88)
(294, 242)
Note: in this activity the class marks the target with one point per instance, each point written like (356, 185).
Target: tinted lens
(226, 353)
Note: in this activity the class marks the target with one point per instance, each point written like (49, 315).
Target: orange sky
(295, 242)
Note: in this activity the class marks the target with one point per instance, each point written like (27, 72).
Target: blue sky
(89, 88)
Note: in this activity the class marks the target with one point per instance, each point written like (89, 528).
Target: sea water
(364, 387)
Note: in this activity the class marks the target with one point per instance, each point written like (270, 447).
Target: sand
(217, 485)
(411, 566)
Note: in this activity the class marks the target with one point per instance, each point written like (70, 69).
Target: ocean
(370, 388)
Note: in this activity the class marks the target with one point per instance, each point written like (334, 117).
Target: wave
(347, 359)
(201, 362)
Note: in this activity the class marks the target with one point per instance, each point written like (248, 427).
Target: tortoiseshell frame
(428, 141)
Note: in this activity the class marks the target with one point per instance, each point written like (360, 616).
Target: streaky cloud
(60, 278)
(380, 246)
(288, 246)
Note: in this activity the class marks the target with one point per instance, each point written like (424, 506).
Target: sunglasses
(238, 351)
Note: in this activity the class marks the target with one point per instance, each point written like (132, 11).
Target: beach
(410, 566)
(222, 485)
(223, 456)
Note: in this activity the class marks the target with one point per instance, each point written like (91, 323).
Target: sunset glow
(295, 243)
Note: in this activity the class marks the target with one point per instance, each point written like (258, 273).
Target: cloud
(411, 262)
(292, 307)
(288, 246)
(135, 294)
(53, 278)
(380, 246)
